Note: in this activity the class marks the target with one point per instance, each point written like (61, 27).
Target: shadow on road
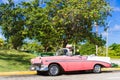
(84, 72)
(79, 73)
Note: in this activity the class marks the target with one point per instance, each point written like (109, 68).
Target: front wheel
(97, 69)
(54, 70)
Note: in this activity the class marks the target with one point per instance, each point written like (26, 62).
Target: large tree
(12, 22)
(38, 24)
(75, 18)
(59, 23)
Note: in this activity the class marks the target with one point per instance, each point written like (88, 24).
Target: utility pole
(107, 42)
(106, 29)
(96, 35)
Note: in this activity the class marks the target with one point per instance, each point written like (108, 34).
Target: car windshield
(63, 51)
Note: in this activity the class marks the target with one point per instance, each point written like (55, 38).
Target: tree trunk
(65, 42)
(46, 48)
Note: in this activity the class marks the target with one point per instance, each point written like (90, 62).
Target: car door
(75, 63)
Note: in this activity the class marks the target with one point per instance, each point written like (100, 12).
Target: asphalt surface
(106, 75)
(34, 72)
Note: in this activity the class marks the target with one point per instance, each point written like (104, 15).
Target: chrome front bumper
(39, 68)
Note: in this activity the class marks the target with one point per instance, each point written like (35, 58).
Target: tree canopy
(76, 18)
(114, 49)
(87, 49)
(12, 23)
(58, 23)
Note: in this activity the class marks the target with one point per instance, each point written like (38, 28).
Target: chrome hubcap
(54, 70)
(97, 68)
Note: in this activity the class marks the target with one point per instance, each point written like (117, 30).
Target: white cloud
(116, 9)
(111, 30)
(115, 28)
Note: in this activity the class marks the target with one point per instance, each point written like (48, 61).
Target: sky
(114, 22)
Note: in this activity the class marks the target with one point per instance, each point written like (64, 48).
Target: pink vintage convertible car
(64, 61)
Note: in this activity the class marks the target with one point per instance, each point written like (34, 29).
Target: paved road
(115, 75)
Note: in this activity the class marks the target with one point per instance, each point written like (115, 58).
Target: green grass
(12, 60)
(115, 57)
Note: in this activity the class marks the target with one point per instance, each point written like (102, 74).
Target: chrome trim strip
(77, 60)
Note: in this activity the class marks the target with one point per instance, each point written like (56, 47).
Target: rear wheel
(54, 70)
(97, 69)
